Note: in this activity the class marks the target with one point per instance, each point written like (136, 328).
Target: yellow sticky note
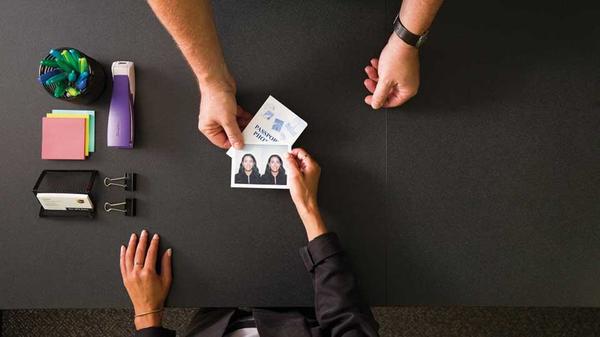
(87, 126)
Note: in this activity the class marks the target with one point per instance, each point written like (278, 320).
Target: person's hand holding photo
(221, 119)
(303, 178)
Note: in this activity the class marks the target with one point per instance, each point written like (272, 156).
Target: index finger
(219, 139)
(375, 63)
(292, 163)
(300, 153)
(216, 136)
(306, 160)
(233, 132)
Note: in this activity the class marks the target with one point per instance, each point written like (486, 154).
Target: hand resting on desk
(146, 288)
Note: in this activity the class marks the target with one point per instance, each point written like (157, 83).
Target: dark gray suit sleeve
(154, 332)
(339, 308)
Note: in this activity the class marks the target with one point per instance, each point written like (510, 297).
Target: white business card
(64, 201)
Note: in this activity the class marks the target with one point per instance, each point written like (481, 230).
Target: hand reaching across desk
(304, 174)
(191, 24)
(392, 79)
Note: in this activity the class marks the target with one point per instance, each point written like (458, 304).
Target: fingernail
(169, 252)
(122, 249)
(144, 232)
(155, 237)
(132, 236)
(237, 145)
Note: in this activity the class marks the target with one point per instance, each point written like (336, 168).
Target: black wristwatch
(408, 37)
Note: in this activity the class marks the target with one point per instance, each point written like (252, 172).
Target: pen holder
(95, 82)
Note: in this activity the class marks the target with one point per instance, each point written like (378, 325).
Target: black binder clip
(128, 181)
(127, 207)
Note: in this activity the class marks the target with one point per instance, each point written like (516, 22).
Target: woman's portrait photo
(248, 171)
(274, 172)
(259, 166)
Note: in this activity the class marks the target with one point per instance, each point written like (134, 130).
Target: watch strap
(407, 36)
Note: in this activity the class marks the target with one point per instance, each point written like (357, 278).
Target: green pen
(74, 55)
(59, 90)
(83, 65)
(67, 56)
(56, 78)
(49, 63)
(72, 92)
(64, 65)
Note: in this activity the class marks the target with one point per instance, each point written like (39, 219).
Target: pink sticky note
(63, 138)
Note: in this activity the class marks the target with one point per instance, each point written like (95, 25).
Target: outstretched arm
(393, 78)
(191, 24)
(338, 304)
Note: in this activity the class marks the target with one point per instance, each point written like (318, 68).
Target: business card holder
(75, 185)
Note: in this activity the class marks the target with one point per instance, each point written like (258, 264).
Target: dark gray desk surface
(482, 190)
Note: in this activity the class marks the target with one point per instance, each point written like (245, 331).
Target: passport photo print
(260, 166)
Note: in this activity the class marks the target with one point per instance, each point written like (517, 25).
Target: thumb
(234, 135)
(292, 165)
(295, 178)
(166, 272)
(381, 92)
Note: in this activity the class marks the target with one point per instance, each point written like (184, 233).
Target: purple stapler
(120, 114)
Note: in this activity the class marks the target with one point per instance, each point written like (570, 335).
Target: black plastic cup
(95, 83)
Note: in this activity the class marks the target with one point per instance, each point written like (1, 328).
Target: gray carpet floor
(394, 321)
